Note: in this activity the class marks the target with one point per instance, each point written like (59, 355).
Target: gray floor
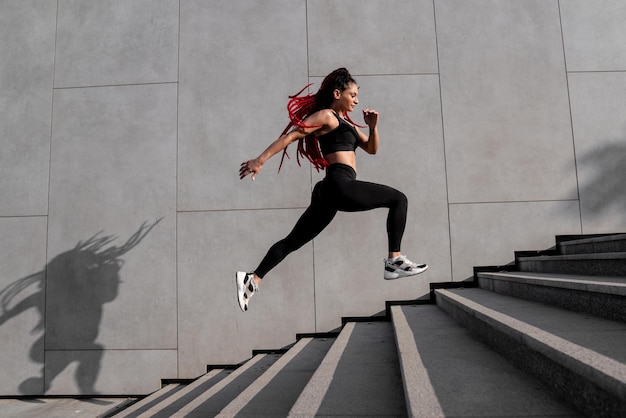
(58, 407)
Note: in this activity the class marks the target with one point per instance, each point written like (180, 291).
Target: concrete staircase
(543, 337)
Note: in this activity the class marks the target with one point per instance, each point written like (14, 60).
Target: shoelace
(252, 283)
(407, 261)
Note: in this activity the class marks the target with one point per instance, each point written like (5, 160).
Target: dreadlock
(300, 107)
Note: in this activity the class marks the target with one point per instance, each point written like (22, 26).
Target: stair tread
(359, 376)
(601, 335)
(579, 356)
(149, 401)
(483, 383)
(188, 393)
(212, 401)
(601, 284)
(275, 392)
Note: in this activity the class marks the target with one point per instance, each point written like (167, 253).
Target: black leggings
(340, 191)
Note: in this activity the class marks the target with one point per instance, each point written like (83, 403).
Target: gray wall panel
(504, 97)
(113, 169)
(22, 296)
(594, 34)
(233, 93)
(116, 42)
(598, 106)
(349, 33)
(26, 70)
(115, 371)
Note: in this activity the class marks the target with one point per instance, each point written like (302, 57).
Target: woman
(328, 139)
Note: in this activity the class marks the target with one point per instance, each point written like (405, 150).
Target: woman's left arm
(370, 143)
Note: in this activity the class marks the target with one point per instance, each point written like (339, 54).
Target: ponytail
(300, 107)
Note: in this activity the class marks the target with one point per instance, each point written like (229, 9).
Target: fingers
(246, 169)
(369, 112)
(370, 116)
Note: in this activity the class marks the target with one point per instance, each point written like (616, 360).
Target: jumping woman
(328, 138)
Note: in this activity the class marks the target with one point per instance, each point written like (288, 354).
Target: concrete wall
(502, 121)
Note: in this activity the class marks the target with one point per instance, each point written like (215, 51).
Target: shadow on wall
(69, 294)
(603, 191)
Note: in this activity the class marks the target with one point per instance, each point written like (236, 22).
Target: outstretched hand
(370, 116)
(250, 167)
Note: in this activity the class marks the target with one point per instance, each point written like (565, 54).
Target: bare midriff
(342, 157)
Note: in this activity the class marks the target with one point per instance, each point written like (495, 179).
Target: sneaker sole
(398, 275)
(240, 276)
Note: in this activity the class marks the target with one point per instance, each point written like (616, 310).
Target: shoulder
(329, 120)
(325, 115)
(321, 122)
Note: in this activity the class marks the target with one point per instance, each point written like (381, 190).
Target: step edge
(592, 240)
(164, 391)
(181, 393)
(419, 393)
(603, 371)
(220, 385)
(240, 402)
(542, 279)
(310, 399)
(576, 257)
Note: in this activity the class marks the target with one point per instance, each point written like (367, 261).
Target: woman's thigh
(314, 219)
(356, 195)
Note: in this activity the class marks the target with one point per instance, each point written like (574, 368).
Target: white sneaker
(402, 267)
(246, 287)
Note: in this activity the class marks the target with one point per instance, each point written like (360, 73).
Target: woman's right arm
(254, 166)
(314, 122)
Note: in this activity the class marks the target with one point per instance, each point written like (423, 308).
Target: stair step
(448, 372)
(596, 295)
(149, 401)
(578, 356)
(213, 400)
(359, 376)
(178, 400)
(275, 392)
(609, 244)
(599, 264)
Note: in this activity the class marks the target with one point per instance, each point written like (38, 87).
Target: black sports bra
(343, 138)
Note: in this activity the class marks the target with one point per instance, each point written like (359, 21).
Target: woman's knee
(401, 200)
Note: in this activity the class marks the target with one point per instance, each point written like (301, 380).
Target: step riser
(583, 395)
(595, 248)
(578, 267)
(612, 244)
(598, 304)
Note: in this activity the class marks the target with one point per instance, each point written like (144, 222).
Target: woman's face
(348, 98)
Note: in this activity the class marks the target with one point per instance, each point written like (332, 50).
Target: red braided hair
(300, 107)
